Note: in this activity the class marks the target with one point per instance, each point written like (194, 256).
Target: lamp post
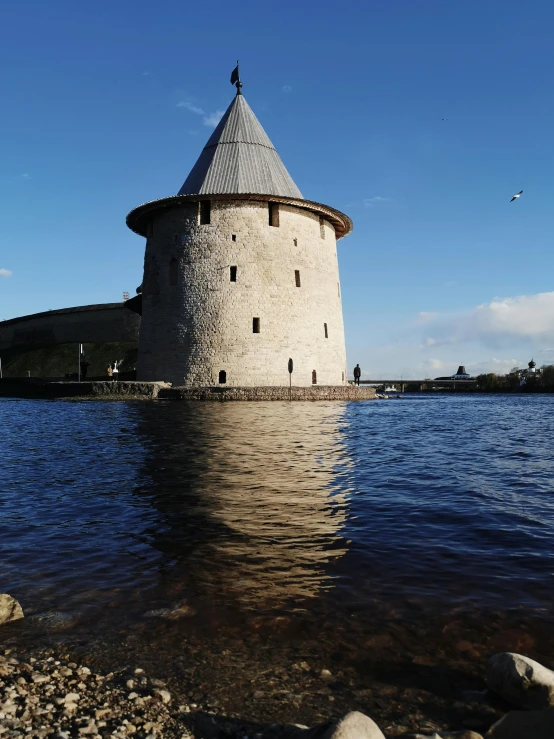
(290, 366)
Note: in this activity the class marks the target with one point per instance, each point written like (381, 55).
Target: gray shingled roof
(239, 158)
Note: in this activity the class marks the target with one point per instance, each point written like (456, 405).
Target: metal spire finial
(235, 79)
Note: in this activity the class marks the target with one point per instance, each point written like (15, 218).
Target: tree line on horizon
(535, 382)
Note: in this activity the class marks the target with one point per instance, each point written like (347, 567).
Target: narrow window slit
(256, 325)
(297, 277)
(314, 377)
(233, 237)
(233, 274)
(295, 241)
(222, 377)
(173, 272)
(273, 209)
(322, 227)
(205, 212)
(325, 328)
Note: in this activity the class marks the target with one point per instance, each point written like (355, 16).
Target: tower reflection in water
(252, 496)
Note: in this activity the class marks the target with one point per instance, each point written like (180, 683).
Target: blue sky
(441, 268)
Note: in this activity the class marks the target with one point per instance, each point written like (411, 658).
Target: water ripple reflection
(437, 502)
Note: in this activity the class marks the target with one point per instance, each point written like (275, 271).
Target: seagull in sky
(444, 119)
(516, 196)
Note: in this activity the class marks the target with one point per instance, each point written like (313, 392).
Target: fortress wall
(90, 323)
(196, 321)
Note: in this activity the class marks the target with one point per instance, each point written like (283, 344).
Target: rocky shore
(52, 691)
(48, 695)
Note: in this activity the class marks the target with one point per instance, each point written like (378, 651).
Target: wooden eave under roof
(139, 217)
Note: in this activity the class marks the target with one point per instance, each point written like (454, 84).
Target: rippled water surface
(441, 504)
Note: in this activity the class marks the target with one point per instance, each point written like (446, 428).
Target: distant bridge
(420, 385)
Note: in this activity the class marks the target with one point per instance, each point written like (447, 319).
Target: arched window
(314, 377)
(173, 271)
(222, 377)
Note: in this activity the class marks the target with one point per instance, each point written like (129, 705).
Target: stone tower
(240, 271)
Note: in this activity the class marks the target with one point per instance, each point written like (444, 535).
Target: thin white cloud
(377, 200)
(24, 176)
(527, 317)
(190, 106)
(146, 74)
(426, 316)
(435, 364)
(213, 118)
(496, 365)
(5, 273)
(286, 88)
(208, 119)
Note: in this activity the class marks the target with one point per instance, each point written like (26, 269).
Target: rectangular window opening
(297, 277)
(255, 325)
(205, 212)
(295, 241)
(173, 272)
(314, 377)
(273, 214)
(233, 237)
(322, 227)
(233, 275)
(325, 328)
(222, 377)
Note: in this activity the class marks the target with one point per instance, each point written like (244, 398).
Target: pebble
(164, 695)
(46, 704)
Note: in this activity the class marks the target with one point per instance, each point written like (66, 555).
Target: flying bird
(516, 196)
(444, 119)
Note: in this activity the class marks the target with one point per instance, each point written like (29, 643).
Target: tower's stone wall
(196, 322)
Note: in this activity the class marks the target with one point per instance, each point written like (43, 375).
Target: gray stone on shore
(464, 734)
(10, 610)
(521, 681)
(354, 725)
(524, 725)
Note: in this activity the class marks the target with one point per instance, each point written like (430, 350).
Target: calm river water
(332, 521)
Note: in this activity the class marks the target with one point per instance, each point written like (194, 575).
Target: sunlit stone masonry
(240, 271)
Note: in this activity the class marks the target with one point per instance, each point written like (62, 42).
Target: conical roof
(239, 159)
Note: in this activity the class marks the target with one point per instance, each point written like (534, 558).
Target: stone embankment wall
(321, 392)
(159, 390)
(107, 322)
(204, 284)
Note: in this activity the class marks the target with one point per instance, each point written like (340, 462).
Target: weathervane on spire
(235, 79)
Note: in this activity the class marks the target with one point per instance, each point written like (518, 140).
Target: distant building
(531, 373)
(461, 374)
